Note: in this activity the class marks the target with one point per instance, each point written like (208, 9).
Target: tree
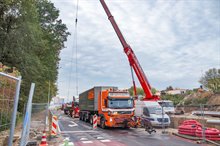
(169, 88)
(140, 91)
(31, 38)
(211, 80)
(153, 90)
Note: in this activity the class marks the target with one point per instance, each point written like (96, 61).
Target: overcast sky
(174, 41)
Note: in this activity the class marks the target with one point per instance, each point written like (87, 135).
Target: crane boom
(131, 57)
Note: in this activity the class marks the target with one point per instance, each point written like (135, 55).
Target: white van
(167, 105)
(152, 111)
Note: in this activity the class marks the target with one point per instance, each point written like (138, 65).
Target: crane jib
(131, 56)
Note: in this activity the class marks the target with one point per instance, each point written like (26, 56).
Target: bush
(196, 101)
(5, 121)
(175, 98)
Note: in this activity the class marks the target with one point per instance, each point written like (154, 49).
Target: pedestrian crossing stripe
(100, 137)
(86, 141)
(105, 140)
(83, 138)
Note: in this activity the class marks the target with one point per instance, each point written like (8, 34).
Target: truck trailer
(113, 107)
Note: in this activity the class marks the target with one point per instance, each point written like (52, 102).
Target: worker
(147, 125)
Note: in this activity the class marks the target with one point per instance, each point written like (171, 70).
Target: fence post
(27, 119)
(12, 128)
(203, 127)
(50, 123)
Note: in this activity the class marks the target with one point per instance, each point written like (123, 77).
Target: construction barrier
(44, 139)
(94, 121)
(54, 126)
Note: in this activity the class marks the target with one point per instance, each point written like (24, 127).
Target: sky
(175, 41)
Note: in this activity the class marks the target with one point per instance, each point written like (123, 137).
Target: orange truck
(113, 107)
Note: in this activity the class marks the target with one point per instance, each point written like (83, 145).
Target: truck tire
(80, 116)
(91, 119)
(102, 123)
(84, 118)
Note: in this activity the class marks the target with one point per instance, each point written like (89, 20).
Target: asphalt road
(81, 134)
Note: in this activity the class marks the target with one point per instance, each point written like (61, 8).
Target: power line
(76, 45)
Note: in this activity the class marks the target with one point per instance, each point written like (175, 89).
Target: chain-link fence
(205, 114)
(9, 94)
(34, 123)
(38, 120)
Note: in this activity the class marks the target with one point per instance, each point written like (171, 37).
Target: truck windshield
(154, 110)
(120, 103)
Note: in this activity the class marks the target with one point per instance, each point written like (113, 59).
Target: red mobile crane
(135, 65)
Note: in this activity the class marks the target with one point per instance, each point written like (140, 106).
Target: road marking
(86, 141)
(100, 137)
(63, 132)
(105, 140)
(74, 124)
(83, 138)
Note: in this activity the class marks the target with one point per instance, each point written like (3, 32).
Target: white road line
(72, 125)
(83, 138)
(105, 140)
(63, 132)
(86, 141)
(100, 138)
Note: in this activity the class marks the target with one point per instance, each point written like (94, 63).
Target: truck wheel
(84, 118)
(80, 117)
(91, 119)
(102, 124)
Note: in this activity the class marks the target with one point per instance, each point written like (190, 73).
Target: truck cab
(116, 109)
(152, 111)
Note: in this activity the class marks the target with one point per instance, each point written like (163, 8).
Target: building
(176, 91)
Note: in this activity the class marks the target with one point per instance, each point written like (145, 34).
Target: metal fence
(205, 114)
(27, 118)
(9, 95)
(34, 122)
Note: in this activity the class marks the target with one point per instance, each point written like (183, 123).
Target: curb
(195, 138)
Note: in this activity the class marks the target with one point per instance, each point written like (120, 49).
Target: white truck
(152, 111)
(167, 106)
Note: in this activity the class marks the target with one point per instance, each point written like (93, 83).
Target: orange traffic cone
(44, 140)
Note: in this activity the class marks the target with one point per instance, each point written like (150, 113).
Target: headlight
(115, 113)
(109, 113)
(110, 119)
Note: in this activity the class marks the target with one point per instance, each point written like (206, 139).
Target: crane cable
(76, 45)
(76, 50)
